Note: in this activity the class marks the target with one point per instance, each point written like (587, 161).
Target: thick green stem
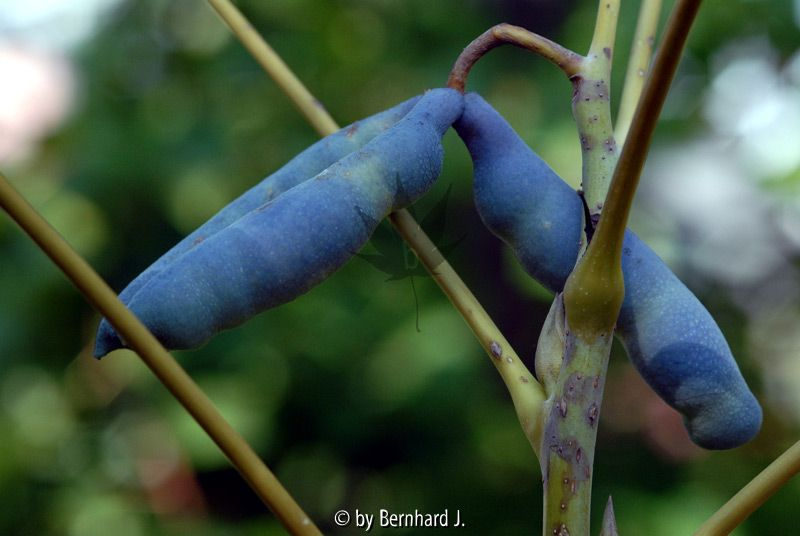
(591, 301)
(592, 110)
(594, 291)
(569, 436)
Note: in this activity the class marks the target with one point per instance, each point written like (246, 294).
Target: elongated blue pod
(282, 248)
(670, 337)
(300, 168)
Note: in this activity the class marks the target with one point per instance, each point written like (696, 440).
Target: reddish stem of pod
(507, 34)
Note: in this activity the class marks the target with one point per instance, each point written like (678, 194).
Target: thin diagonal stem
(753, 495)
(525, 391)
(265, 55)
(166, 369)
(638, 64)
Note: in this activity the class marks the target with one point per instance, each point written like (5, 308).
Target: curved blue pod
(283, 248)
(302, 167)
(519, 198)
(670, 337)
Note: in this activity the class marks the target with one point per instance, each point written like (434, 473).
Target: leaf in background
(395, 258)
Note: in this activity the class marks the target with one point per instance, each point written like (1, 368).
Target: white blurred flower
(720, 219)
(751, 102)
(52, 24)
(713, 194)
(38, 86)
(36, 96)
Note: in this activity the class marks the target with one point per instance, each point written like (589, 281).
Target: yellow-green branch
(526, 393)
(638, 65)
(166, 369)
(753, 495)
(271, 62)
(595, 289)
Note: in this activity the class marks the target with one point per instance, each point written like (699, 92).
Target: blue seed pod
(302, 167)
(670, 337)
(519, 198)
(283, 248)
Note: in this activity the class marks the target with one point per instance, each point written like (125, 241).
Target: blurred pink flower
(37, 94)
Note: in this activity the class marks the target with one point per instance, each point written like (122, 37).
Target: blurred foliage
(343, 398)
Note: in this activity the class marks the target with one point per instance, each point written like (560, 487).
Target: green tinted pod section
(670, 337)
(283, 248)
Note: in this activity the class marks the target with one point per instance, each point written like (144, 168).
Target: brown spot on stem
(565, 449)
(496, 350)
(607, 52)
(574, 386)
(592, 413)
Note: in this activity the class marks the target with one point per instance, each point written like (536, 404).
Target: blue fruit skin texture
(302, 167)
(281, 249)
(671, 338)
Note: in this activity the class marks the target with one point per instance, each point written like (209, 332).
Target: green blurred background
(127, 124)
